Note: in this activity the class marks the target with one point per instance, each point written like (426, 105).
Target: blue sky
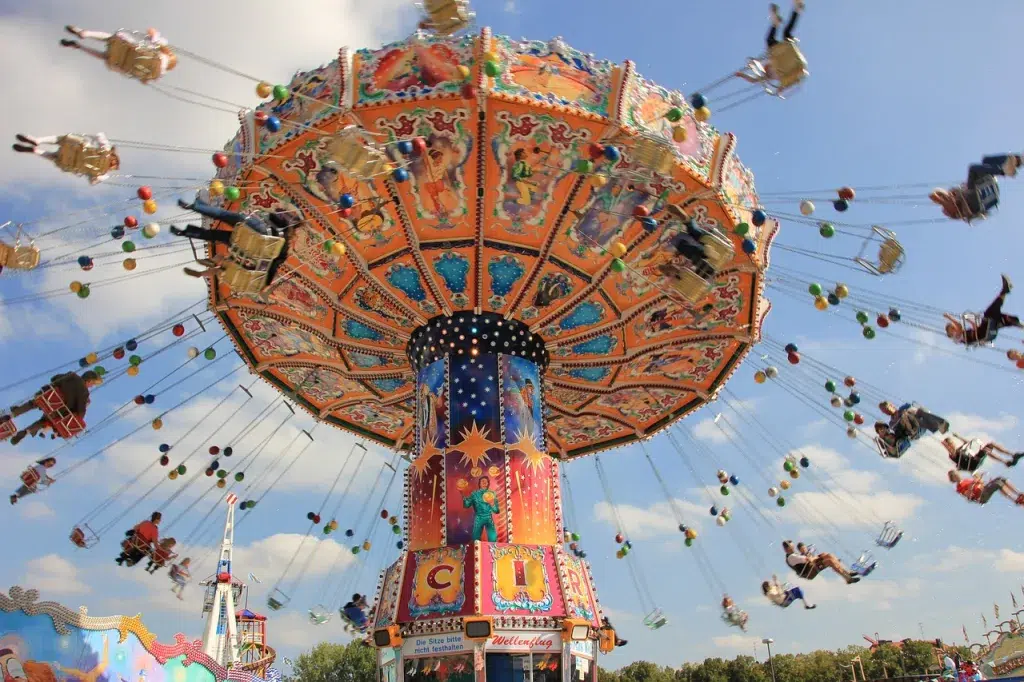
(900, 94)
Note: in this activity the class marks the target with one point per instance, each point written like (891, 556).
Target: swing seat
(243, 281)
(687, 283)
(78, 156)
(889, 536)
(277, 600)
(249, 245)
(789, 66)
(319, 615)
(7, 428)
(446, 17)
(137, 59)
(83, 536)
(351, 624)
(64, 423)
(29, 478)
(736, 619)
(718, 251)
(864, 565)
(655, 619)
(18, 257)
(891, 254)
(350, 151)
(902, 445)
(654, 154)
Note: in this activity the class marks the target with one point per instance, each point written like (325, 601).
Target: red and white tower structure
(220, 638)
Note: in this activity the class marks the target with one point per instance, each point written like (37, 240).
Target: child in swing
(162, 553)
(975, 489)
(180, 576)
(783, 595)
(960, 454)
(732, 615)
(39, 473)
(354, 612)
(992, 320)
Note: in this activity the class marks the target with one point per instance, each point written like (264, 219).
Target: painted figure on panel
(484, 503)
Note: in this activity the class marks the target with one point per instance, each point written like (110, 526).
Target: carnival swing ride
(489, 257)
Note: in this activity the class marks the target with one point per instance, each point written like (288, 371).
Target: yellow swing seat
(789, 66)
(249, 259)
(718, 251)
(687, 283)
(18, 257)
(446, 17)
(77, 155)
(653, 154)
(139, 60)
(891, 254)
(355, 157)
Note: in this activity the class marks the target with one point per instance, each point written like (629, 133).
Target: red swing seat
(7, 428)
(83, 537)
(64, 423)
(30, 479)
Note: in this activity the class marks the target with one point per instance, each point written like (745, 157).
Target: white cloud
(719, 432)
(928, 461)
(53, 575)
(954, 559)
(857, 510)
(737, 642)
(81, 95)
(34, 510)
(870, 593)
(657, 520)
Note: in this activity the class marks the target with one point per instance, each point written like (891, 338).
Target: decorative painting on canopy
(530, 167)
(423, 66)
(740, 193)
(435, 196)
(553, 73)
(646, 104)
(493, 216)
(390, 593)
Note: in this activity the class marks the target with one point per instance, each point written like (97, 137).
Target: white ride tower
(220, 638)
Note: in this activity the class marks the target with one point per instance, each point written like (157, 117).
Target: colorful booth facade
(43, 641)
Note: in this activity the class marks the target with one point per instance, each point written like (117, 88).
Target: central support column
(481, 470)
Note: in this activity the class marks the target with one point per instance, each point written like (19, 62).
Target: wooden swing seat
(18, 257)
(653, 154)
(355, 157)
(319, 615)
(83, 537)
(718, 251)
(249, 259)
(446, 17)
(64, 423)
(7, 428)
(139, 60)
(891, 253)
(788, 64)
(77, 155)
(688, 284)
(30, 479)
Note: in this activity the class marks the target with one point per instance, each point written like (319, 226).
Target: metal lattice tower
(220, 638)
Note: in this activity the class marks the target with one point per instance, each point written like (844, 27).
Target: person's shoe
(1020, 500)
(176, 231)
(18, 437)
(810, 606)
(185, 205)
(621, 642)
(1016, 458)
(23, 148)
(852, 579)
(944, 426)
(208, 262)
(73, 30)
(25, 138)
(14, 499)
(67, 42)
(776, 15)
(798, 5)
(120, 561)
(192, 273)
(1007, 284)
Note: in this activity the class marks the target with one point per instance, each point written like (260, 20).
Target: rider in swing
(772, 40)
(980, 194)
(986, 329)
(73, 390)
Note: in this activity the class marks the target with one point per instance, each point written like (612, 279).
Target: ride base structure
(484, 586)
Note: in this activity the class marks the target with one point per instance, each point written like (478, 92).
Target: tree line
(357, 662)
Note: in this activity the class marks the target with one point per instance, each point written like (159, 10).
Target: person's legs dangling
(787, 33)
(772, 38)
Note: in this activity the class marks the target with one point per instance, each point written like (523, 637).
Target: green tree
(644, 671)
(352, 662)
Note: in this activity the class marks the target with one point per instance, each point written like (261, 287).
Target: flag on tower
(1013, 599)
(967, 640)
(983, 621)
(995, 609)
(253, 578)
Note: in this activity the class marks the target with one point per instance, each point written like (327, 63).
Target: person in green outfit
(522, 171)
(484, 502)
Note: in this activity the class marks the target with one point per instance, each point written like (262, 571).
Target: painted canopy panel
(496, 214)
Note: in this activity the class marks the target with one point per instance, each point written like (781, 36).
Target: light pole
(768, 641)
